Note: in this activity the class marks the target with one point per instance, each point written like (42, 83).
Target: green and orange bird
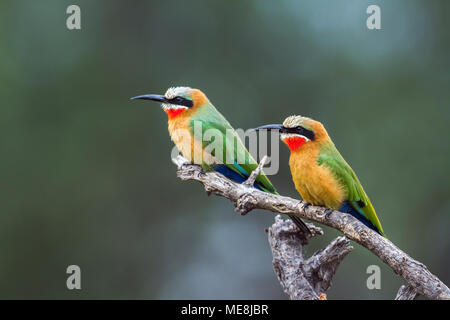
(320, 173)
(187, 108)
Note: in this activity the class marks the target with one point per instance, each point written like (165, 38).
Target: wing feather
(332, 159)
(233, 148)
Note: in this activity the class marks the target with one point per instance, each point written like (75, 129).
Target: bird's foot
(328, 212)
(305, 205)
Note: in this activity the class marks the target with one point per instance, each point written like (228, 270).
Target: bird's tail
(300, 224)
(297, 221)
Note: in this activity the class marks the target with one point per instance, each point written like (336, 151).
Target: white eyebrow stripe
(173, 106)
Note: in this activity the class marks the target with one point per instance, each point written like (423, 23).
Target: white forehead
(293, 121)
(176, 91)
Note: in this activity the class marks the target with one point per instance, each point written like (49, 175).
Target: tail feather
(348, 208)
(300, 224)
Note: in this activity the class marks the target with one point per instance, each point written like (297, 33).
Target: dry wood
(246, 198)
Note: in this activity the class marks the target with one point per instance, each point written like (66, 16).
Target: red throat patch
(294, 143)
(173, 113)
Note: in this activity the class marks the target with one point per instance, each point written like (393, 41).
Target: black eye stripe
(181, 101)
(300, 130)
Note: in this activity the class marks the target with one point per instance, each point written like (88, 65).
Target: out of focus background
(86, 176)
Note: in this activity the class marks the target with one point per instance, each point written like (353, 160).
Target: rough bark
(302, 278)
(406, 293)
(246, 198)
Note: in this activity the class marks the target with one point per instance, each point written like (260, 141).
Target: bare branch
(246, 198)
(322, 266)
(251, 180)
(406, 293)
(304, 279)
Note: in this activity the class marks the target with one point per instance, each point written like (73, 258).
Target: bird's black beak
(277, 127)
(175, 101)
(153, 97)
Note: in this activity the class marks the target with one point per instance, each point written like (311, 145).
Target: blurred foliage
(86, 176)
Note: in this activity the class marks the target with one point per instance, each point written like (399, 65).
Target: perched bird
(320, 173)
(189, 109)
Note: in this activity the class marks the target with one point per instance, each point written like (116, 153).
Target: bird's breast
(316, 184)
(182, 135)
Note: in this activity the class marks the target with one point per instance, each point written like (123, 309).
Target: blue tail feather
(233, 175)
(348, 208)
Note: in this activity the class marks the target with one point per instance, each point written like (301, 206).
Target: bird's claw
(328, 212)
(305, 205)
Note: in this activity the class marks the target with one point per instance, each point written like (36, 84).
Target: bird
(188, 110)
(320, 174)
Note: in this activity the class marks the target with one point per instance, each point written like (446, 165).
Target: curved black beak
(278, 127)
(153, 97)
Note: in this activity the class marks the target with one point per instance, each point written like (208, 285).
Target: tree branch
(304, 279)
(406, 293)
(255, 173)
(247, 198)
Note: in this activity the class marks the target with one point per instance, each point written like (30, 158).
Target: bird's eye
(178, 99)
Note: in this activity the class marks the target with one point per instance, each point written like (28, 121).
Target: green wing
(233, 148)
(331, 158)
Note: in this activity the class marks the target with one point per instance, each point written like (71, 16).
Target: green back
(210, 118)
(330, 157)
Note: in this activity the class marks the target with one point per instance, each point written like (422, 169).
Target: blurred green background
(86, 176)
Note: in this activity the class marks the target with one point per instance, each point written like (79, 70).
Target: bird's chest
(316, 184)
(183, 137)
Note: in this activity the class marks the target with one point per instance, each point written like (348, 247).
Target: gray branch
(246, 199)
(300, 278)
(406, 293)
(255, 173)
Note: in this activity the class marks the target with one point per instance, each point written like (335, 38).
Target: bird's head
(177, 100)
(297, 131)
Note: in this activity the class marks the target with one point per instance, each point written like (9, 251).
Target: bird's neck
(304, 151)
